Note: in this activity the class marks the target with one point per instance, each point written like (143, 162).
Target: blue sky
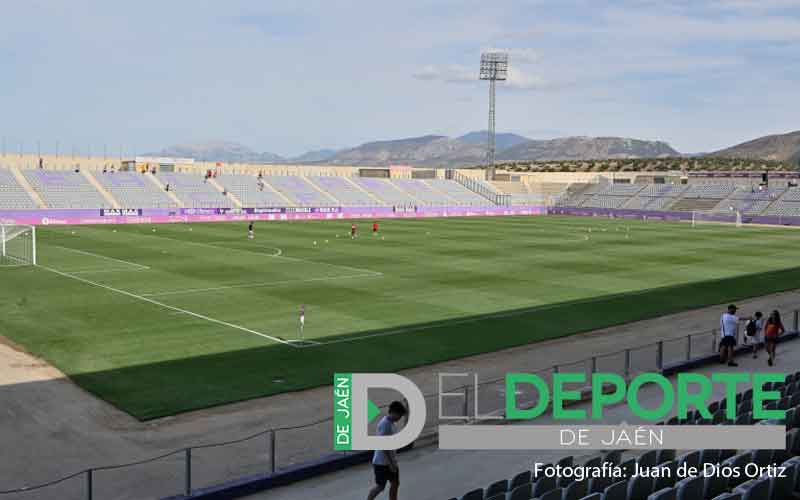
(287, 77)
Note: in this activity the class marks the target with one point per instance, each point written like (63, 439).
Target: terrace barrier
(188, 215)
(676, 216)
(278, 456)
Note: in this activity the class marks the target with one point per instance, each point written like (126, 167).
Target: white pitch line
(167, 306)
(84, 252)
(256, 285)
(93, 270)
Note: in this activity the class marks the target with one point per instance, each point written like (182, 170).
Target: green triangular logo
(372, 411)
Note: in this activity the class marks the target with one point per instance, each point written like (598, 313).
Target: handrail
(659, 364)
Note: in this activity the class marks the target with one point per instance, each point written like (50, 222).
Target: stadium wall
(772, 220)
(177, 215)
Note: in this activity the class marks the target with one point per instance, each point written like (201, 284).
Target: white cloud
(518, 55)
(520, 72)
(428, 72)
(451, 73)
(522, 80)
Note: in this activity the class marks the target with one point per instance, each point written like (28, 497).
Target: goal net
(700, 218)
(17, 245)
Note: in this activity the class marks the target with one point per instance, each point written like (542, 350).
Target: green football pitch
(161, 320)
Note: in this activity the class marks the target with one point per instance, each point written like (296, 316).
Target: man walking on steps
(384, 462)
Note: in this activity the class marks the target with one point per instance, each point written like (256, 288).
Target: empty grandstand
(386, 191)
(424, 193)
(458, 193)
(59, 189)
(299, 191)
(346, 192)
(134, 190)
(194, 190)
(12, 195)
(65, 189)
(787, 205)
(612, 195)
(251, 192)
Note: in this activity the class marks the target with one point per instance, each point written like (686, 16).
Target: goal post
(17, 245)
(699, 218)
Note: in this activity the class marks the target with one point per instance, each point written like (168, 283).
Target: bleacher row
(68, 189)
(525, 485)
(721, 198)
(12, 195)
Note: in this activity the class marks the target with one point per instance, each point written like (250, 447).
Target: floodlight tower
(494, 67)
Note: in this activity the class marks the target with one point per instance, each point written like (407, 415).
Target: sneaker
(731, 363)
(769, 362)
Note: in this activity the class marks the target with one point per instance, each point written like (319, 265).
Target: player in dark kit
(250, 233)
(353, 231)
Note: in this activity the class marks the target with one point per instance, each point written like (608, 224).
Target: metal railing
(482, 189)
(183, 471)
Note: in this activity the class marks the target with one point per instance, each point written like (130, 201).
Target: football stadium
(487, 317)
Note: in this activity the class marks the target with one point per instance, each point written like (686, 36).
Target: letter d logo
(353, 411)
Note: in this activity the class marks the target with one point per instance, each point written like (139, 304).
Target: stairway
(99, 187)
(230, 195)
(161, 186)
(28, 188)
(481, 189)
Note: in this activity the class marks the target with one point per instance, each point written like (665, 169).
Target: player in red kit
(375, 228)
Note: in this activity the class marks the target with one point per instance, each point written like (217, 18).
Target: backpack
(751, 329)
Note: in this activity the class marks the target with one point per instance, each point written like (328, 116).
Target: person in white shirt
(729, 328)
(384, 462)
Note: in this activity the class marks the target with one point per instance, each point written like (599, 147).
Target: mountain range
(470, 149)
(779, 147)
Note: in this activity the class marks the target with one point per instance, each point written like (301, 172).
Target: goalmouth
(700, 218)
(17, 245)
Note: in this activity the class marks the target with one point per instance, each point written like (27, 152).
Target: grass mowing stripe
(166, 306)
(90, 254)
(277, 255)
(453, 287)
(257, 285)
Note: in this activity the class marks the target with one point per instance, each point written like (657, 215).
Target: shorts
(771, 340)
(383, 474)
(728, 341)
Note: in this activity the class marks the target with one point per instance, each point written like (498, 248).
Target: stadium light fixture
(494, 68)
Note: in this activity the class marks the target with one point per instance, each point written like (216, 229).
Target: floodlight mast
(494, 67)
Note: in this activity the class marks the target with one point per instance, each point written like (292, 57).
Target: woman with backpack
(772, 330)
(753, 332)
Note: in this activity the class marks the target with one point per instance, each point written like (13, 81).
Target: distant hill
(427, 150)
(502, 140)
(470, 149)
(780, 147)
(219, 151)
(438, 150)
(587, 148)
(318, 155)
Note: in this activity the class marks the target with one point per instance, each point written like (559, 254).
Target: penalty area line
(167, 306)
(84, 252)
